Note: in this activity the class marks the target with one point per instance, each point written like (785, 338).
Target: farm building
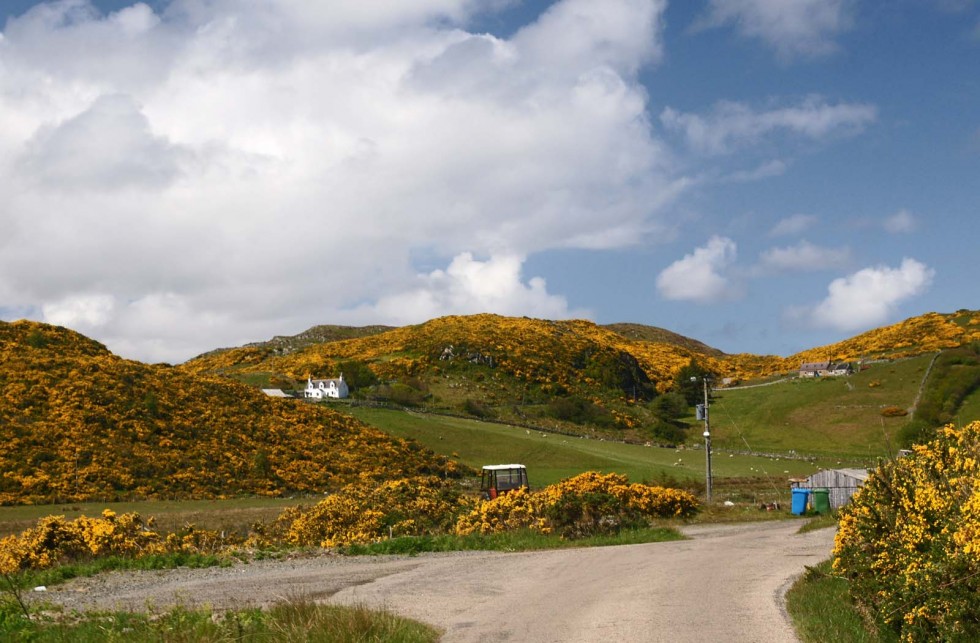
(842, 483)
(320, 389)
(825, 369)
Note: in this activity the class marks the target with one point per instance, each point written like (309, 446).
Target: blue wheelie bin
(800, 497)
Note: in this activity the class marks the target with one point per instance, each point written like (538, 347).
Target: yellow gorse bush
(55, 540)
(78, 423)
(368, 511)
(578, 506)
(910, 540)
(519, 509)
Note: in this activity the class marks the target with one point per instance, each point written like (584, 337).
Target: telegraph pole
(707, 438)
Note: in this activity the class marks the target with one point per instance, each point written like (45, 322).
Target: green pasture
(970, 410)
(830, 416)
(551, 457)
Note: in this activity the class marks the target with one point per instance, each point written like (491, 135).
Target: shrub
(910, 541)
(579, 411)
(588, 504)
(55, 541)
(478, 409)
(367, 512)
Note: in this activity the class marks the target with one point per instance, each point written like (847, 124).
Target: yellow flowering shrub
(367, 512)
(120, 430)
(518, 509)
(910, 540)
(583, 505)
(55, 541)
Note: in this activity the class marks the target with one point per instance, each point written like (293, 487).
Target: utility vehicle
(502, 478)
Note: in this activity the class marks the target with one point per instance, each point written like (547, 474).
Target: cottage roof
(275, 392)
(814, 366)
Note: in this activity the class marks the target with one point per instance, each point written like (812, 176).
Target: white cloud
(731, 125)
(229, 170)
(901, 222)
(107, 146)
(589, 33)
(797, 28)
(470, 286)
(803, 257)
(80, 311)
(866, 298)
(701, 276)
(793, 225)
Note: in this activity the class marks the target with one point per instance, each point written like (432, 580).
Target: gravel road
(724, 584)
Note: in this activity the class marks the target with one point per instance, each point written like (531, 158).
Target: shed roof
(860, 474)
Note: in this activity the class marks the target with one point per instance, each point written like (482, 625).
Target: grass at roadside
(63, 573)
(822, 521)
(822, 610)
(293, 620)
(519, 540)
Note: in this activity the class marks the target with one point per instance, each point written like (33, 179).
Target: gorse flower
(586, 504)
(910, 540)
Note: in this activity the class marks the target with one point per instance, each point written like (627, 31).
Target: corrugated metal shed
(842, 483)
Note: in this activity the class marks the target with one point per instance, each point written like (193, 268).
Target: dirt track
(725, 584)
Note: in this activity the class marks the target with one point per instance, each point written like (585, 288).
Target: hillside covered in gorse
(78, 423)
(566, 373)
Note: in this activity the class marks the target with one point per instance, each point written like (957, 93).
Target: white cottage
(321, 389)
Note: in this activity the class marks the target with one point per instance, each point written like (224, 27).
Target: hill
(572, 376)
(77, 423)
(286, 344)
(655, 335)
(927, 333)
(566, 374)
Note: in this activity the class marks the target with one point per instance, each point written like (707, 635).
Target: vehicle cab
(498, 479)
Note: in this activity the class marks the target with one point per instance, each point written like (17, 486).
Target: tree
(689, 382)
(358, 375)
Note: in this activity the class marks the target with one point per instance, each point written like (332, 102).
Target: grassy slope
(970, 411)
(550, 457)
(839, 416)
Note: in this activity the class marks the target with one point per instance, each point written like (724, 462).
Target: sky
(764, 176)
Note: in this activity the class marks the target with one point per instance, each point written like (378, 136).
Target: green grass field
(970, 411)
(834, 417)
(551, 457)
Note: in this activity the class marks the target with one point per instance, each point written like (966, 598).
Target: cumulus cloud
(701, 276)
(470, 286)
(107, 146)
(801, 28)
(732, 125)
(793, 225)
(79, 311)
(866, 298)
(803, 257)
(228, 170)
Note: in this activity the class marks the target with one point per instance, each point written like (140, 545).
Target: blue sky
(761, 175)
